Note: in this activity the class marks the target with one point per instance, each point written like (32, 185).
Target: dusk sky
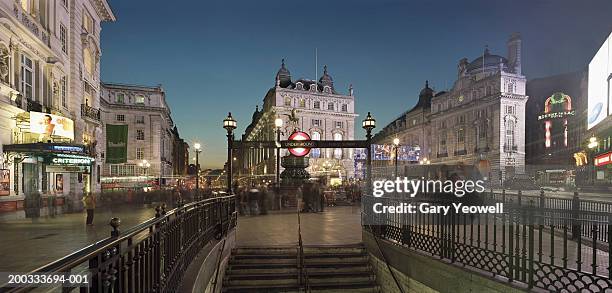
(217, 56)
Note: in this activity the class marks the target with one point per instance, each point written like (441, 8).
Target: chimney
(514, 53)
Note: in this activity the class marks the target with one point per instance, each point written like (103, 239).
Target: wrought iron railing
(525, 244)
(90, 112)
(150, 257)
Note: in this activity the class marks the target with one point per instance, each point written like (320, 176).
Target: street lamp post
(396, 145)
(229, 124)
(145, 166)
(368, 124)
(279, 124)
(197, 148)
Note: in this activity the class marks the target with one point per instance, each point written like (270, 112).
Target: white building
(150, 135)
(323, 112)
(49, 63)
(480, 121)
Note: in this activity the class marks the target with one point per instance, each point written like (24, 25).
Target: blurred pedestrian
(253, 196)
(89, 201)
(262, 200)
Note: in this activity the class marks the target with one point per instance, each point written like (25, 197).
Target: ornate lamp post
(368, 124)
(396, 144)
(197, 147)
(145, 166)
(279, 124)
(229, 124)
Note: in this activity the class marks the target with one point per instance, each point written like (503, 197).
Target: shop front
(41, 179)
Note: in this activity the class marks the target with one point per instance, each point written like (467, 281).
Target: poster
(48, 125)
(59, 183)
(5, 182)
(116, 143)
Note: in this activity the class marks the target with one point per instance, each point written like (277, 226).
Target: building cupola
(326, 79)
(283, 76)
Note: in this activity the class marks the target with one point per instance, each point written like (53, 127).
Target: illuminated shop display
(603, 160)
(600, 76)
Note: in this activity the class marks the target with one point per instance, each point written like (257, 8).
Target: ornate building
(480, 121)
(323, 112)
(150, 136)
(49, 98)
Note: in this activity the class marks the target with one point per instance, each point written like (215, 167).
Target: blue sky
(217, 56)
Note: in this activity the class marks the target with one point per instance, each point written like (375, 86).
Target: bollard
(115, 222)
(575, 216)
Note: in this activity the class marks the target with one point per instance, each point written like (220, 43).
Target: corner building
(49, 101)
(480, 121)
(323, 112)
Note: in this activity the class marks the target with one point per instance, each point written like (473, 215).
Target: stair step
(341, 280)
(333, 270)
(336, 255)
(340, 274)
(292, 250)
(261, 266)
(262, 282)
(331, 259)
(263, 276)
(264, 256)
(261, 289)
(264, 261)
(352, 286)
(344, 263)
(257, 270)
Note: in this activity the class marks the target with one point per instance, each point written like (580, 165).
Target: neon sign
(604, 159)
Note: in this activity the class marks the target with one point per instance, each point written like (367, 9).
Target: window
(63, 38)
(139, 100)
(338, 151)
(439, 107)
(338, 124)
(89, 93)
(330, 106)
(316, 105)
(88, 23)
(287, 101)
(302, 103)
(120, 98)
(509, 109)
(482, 131)
(27, 77)
(461, 119)
(316, 122)
(88, 61)
(140, 119)
(30, 6)
(315, 153)
(460, 135)
(64, 90)
(140, 134)
(510, 133)
(414, 122)
(139, 153)
(510, 87)
(443, 138)
(344, 108)
(120, 117)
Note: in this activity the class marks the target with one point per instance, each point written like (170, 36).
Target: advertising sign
(5, 182)
(59, 183)
(116, 143)
(384, 152)
(600, 75)
(49, 125)
(603, 160)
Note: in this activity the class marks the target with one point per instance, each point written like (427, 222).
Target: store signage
(556, 115)
(68, 148)
(70, 160)
(299, 149)
(604, 159)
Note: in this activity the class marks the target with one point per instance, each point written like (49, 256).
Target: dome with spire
(256, 113)
(326, 79)
(283, 76)
(487, 60)
(426, 92)
(425, 97)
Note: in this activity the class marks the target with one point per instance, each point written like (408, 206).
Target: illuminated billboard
(600, 75)
(404, 153)
(48, 125)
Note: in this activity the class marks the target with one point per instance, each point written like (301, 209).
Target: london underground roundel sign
(301, 151)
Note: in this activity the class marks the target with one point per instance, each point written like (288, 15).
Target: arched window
(338, 151)
(315, 153)
(89, 61)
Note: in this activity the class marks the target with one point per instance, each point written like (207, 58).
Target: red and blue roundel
(299, 135)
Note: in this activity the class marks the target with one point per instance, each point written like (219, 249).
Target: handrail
(229, 224)
(304, 282)
(115, 255)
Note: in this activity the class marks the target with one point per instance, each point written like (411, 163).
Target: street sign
(299, 138)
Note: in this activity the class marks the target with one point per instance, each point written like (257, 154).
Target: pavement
(28, 244)
(336, 225)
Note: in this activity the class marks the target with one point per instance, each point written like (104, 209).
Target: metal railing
(303, 279)
(150, 257)
(526, 244)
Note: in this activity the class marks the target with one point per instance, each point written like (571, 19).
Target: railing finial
(115, 222)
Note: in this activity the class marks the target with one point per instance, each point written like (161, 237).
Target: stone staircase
(343, 268)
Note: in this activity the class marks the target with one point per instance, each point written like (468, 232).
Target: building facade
(323, 112)
(480, 121)
(556, 112)
(149, 141)
(49, 99)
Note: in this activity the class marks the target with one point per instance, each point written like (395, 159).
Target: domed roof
(326, 79)
(486, 60)
(426, 91)
(283, 75)
(256, 113)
